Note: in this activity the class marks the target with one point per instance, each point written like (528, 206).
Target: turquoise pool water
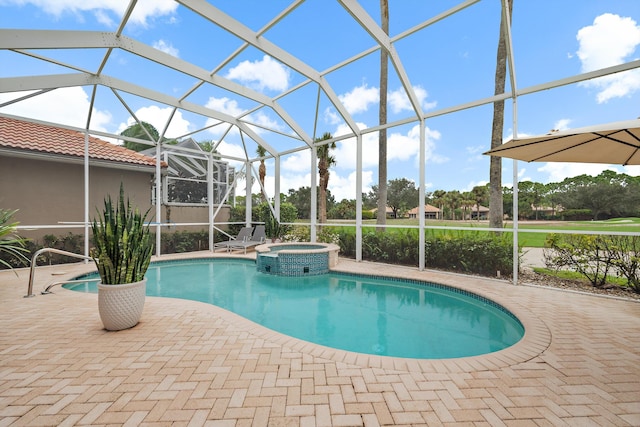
(349, 312)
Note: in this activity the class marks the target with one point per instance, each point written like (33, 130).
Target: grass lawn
(525, 238)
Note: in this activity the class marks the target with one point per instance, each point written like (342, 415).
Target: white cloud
(295, 173)
(360, 98)
(144, 11)
(473, 184)
(158, 118)
(104, 18)
(47, 107)
(264, 121)
(232, 150)
(400, 147)
(562, 124)
(345, 151)
(345, 187)
(296, 162)
(149, 9)
(166, 48)
(611, 40)
(332, 117)
(399, 100)
(293, 181)
(557, 172)
(404, 147)
(474, 153)
(265, 74)
(222, 105)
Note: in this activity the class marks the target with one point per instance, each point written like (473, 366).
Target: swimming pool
(296, 259)
(350, 312)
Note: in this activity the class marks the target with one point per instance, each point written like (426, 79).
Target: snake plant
(123, 244)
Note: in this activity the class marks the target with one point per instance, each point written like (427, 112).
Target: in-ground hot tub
(296, 259)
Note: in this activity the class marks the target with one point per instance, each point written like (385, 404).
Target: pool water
(348, 312)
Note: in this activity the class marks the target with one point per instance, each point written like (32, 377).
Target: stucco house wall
(42, 175)
(49, 193)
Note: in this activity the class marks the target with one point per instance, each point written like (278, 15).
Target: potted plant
(122, 254)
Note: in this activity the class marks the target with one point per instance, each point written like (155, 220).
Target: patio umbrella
(614, 143)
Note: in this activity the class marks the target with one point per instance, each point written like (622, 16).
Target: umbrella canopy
(616, 143)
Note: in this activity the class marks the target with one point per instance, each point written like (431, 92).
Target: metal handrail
(33, 265)
(47, 290)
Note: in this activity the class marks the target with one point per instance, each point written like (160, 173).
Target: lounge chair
(243, 235)
(257, 238)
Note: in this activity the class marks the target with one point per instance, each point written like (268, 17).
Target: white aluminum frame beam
(247, 35)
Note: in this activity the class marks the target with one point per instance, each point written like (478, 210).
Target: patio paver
(193, 364)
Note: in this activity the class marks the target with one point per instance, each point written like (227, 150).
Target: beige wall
(192, 214)
(51, 192)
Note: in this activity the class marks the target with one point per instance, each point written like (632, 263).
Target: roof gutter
(60, 158)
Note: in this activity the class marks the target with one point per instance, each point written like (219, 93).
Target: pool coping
(537, 336)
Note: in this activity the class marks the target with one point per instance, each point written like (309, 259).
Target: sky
(449, 63)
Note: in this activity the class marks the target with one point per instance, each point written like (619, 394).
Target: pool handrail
(47, 290)
(34, 265)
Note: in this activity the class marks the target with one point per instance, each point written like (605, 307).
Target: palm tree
(439, 200)
(479, 195)
(453, 201)
(262, 170)
(466, 202)
(325, 161)
(495, 166)
(381, 217)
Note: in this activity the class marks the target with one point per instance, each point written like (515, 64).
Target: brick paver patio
(193, 364)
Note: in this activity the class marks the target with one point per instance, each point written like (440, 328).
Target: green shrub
(12, 246)
(595, 256)
(368, 215)
(184, 241)
(469, 252)
(576, 215)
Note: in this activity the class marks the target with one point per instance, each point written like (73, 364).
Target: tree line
(608, 195)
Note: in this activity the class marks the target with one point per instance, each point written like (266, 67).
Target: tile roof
(427, 208)
(28, 136)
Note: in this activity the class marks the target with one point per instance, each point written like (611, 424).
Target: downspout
(86, 194)
(158, 197)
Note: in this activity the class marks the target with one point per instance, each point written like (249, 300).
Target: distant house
(546, 210)
(42, 175)
(430, 212)
(483, 212)
(388, 211)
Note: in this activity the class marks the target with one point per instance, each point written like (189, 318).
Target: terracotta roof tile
(427, 208)
(24, 135)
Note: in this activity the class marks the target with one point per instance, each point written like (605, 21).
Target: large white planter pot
(120, 306)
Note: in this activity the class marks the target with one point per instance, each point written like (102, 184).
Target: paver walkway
(193, 364)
